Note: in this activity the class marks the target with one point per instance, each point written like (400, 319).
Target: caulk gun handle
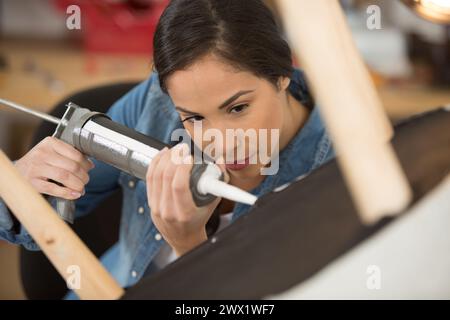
(66, 209)
(200, 199)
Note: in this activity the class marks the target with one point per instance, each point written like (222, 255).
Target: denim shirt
(150, 111)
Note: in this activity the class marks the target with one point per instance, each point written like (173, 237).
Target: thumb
(220, 162)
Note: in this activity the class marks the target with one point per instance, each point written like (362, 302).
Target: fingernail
(182, 149)
(187, 159)
(185, 149)
(220, 160)
(76, 194)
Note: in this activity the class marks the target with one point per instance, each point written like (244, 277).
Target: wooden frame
(59, 243)
(349, 104)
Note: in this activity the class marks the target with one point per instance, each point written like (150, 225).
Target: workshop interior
(371, 223)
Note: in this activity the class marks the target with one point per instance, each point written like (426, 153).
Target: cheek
(268, 115)
(270, 119)
(206, 141)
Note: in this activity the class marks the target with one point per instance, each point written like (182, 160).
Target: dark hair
(243, 33)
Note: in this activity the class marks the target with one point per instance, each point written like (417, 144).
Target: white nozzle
(210, 183)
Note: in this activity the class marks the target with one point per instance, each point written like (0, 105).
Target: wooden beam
(60, 244)
(349, 105)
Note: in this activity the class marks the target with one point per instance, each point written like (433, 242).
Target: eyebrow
(223, 105)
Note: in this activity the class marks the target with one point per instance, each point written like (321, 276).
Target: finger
(59, 161)
(70, 152)
(166, 204)
(66, 178)
(55, 190)
(181, 192)
(179, 152)
(221, 164)
(153, 188)
(152, 201)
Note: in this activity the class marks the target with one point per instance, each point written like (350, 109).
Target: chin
(249, 172)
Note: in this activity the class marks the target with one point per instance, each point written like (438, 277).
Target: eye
(193, 119)
(238, 108)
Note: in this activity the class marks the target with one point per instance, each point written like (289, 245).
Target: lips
(238, 165)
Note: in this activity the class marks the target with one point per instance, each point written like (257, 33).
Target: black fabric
(16, 224)
(99, 230)
(292, 234)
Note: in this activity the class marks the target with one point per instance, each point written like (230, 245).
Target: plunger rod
(35, 113)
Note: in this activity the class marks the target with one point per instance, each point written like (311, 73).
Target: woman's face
(214, 95)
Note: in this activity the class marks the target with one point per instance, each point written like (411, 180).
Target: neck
(294, 119)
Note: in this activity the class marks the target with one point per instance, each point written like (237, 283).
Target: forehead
(208, 82)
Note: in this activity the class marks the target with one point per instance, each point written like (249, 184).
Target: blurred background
(42, 60)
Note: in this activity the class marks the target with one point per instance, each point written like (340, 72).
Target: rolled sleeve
(8, 232)
(12, 231)
(6, 221)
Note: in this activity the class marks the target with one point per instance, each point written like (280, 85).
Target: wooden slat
(349, 104)
(59, 243)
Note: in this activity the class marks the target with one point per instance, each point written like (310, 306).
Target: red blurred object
(117, 26)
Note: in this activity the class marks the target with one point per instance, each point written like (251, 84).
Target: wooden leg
(349, 104)
(60, 244)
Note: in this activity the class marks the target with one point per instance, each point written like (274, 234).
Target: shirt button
(134, 274)
(158, 237)
(131, 184)
(141, 210)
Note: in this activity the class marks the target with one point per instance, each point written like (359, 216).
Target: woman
(221, 64)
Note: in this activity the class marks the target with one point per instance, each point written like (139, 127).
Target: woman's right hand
(56, 160)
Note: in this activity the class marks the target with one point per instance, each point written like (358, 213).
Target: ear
(283, 83)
